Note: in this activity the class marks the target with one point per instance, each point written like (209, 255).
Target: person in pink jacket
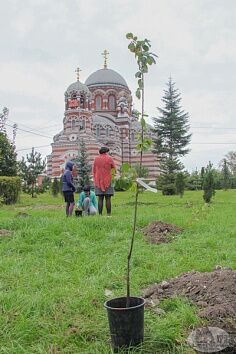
(102, 176)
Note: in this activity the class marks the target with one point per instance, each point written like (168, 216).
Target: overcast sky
(43, 41)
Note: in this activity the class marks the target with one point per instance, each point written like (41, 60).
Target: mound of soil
(214, 293)
(160, 232)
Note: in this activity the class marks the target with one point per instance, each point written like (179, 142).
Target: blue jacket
(92, 199)
(67, 179)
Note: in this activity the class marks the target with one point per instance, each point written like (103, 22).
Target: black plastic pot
(126, 323)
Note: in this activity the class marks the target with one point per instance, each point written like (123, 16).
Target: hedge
(10, 188)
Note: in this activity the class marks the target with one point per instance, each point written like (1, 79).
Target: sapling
(144, 58)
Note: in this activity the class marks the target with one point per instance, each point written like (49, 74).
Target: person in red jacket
(102, 176)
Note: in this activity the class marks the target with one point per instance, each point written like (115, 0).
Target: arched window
(107, 132)
(97, 131)
(111, 102)
(82, 101)
(72, 124)
(98, 103)
(82, 124)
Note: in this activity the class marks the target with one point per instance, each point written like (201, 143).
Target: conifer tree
(208, 183)
(30, 168)
(226, 174)
(172, 137)
(84, 168)
(8, 163)
(55, 187)
(180, 183)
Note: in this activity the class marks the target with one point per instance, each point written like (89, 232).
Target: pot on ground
(126, 323)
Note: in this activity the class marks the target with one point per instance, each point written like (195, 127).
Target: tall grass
(54, 270)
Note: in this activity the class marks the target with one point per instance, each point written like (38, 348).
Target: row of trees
(31, 166)
(170, 143)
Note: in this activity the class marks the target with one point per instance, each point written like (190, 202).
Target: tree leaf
(138, 93)
(129, 35)
(143, 122)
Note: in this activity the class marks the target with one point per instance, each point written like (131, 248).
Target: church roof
(78, 86)
(105, 77)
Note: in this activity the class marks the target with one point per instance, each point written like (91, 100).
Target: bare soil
(4, 232)
(160, 232)
(214, 294)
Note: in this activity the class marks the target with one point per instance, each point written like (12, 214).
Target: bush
(10, 188)
(122, 183)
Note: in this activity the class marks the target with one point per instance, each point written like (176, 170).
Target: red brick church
(99, 111)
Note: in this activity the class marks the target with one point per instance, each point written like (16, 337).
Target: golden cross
(77, 72)
(105, 54)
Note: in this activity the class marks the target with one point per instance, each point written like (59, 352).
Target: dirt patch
(22, 215)
(5, 233)
(214, 293)
(160, 232)
(48, 207)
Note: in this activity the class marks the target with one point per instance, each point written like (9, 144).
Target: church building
(99, 111)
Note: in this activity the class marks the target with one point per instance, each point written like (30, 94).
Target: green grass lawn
(54, 270)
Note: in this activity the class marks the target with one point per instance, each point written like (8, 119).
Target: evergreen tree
(208, 183)
(84, 168)
(180, 183)
(8, 163)
(225, 174)
(30, 168)
(171, 129)
(55, 187)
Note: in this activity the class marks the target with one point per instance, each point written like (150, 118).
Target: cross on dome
(77, 72)
(105, 55)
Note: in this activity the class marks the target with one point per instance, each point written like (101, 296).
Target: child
(88, 201)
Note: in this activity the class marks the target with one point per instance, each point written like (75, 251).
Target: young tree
(225, 174)
(180, 183)
(30, 168)
(144, 58)
(172, 137)
(55, 187)
(84, 168)
(208, 183)
(8, 163)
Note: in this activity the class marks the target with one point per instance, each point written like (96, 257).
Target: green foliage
(180, 183)
(143, 172)
(55, 187)
(10, 188)
(46, 184)
(166, 183)
(126, 178)
(8, 163)
(194, 180)
(122, 183)
(144, 58)
(226, 174)
(208, 183)
(231, 161)
(83, 166)
(172, 138)
(30, 168)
